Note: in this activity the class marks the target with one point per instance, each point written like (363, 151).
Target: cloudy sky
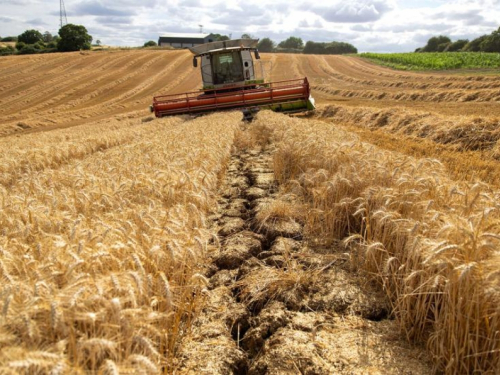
(370, 25)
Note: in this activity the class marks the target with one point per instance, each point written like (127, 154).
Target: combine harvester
(230, 82)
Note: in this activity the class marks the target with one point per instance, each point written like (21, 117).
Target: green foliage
(47, 37)
(9, 39)
(475, 45)
(8, 50)
(73, 38)
(436, 60)
(30, 36)
(485, 43)
(491, 42)
(457, 46)
(219, 37)
(246, 36)
(20, 45)
(28, 49)
(151, 43)
(40, 45)
(292, 43)
(436, 44)
(52, 44)
(443, 47)
(333, 48)
(266, 45)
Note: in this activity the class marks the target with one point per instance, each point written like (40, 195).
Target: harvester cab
(232, 80)
(228, 65)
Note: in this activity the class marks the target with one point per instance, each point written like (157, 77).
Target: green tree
(73, 38)
(246, 36)
(492, 42)
(265, 45)
(435, 43)
(9, 39)
(30, 36)
(457, 45)
(292, 43)
(443, 46)
(333, 48)
(98, 42)
(151, 43)
(314, 48)
(218, 37)
(47, 37)
(475, 44)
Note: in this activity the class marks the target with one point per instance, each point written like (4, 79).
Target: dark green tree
(443, 46)
(457, 45)
(151, 43)
(435, 43)
(491, 42)
(475, 44)
(246, 36)
(314, 48)
(292, 43)
(73, 38)
(30, 36)
(333, 48)
(265, 45)
(218, 37)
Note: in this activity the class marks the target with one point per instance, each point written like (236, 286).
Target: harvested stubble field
(361, 239)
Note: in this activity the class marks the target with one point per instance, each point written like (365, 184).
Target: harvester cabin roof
(222, 45)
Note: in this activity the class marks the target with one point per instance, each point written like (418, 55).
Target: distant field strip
(436, 60)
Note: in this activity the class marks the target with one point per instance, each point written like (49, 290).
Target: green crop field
(435, 60)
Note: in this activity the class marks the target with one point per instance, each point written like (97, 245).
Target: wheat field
(107, 233)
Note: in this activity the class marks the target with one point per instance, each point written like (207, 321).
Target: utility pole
(201, 28)
(62, 13)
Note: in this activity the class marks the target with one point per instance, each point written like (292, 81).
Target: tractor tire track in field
(276, 305)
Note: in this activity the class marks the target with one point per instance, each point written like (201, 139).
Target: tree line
(484, 43)
(296, 45)
(290, 45)
(70, 38)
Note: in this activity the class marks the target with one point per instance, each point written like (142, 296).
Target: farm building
(184, 40)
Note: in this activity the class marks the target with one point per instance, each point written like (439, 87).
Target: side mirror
(257, 55)
(195, 62)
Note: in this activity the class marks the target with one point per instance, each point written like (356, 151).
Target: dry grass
(427, 95)
(431, 242)
(101, 246)
(468, 146)
(465, 133)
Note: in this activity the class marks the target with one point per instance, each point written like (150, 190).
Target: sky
(370, 25)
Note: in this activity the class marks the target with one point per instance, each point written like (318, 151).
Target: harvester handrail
(271, 86)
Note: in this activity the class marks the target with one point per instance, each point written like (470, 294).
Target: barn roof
(184, 35)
